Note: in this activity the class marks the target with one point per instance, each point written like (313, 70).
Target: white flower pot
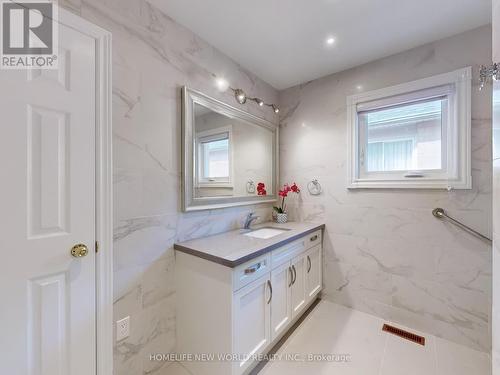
(281, 218)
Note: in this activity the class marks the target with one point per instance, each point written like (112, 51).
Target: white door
(298, 285)
(281, 311)
(313, 272)
(47, 148)
(251, 325)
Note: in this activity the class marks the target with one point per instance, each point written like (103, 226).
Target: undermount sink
(266, 232)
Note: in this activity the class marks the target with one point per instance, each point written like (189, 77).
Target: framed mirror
(229, 157)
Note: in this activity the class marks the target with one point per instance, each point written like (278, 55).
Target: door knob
(79, 251)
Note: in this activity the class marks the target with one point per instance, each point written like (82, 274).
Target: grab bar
(441, 214)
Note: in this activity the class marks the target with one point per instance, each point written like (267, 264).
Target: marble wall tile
(496, 29)
(444, 302)
(495, 326)
(356, 287)
(384, 252)
(374, 257)
(153, 57)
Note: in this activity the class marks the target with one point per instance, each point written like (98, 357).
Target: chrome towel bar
(441, 214)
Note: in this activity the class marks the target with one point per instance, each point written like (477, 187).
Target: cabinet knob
(314, 238)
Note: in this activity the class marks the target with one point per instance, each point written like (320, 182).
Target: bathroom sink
(266, 232)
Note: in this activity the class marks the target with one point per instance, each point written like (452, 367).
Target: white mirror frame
(189, 202)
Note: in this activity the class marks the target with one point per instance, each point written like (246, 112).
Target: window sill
(466, 184)
(219, 185)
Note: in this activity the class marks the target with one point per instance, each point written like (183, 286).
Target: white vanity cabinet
(313, 274)
(251, 304)
(298, 286)
(241, 312)
(281, 282)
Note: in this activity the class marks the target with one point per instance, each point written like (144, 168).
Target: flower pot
(281, 218)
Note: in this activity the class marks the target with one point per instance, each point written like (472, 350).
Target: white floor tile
(456, 359)
(405, 357)
(334, 329)
(176, 369)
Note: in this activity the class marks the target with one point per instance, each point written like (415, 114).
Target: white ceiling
(283, 41)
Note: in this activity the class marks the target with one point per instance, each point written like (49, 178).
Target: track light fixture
(240, 96)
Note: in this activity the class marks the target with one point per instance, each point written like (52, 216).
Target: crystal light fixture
(488, 73)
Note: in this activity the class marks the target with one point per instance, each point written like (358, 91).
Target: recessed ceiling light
(330, 41)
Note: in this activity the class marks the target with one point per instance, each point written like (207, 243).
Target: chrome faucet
(249, 220)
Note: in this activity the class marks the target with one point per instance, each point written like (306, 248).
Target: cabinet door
(281, 311)
(251, 321)
(298, 285)
(313, 272)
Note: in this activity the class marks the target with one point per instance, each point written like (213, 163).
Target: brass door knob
(79, 251)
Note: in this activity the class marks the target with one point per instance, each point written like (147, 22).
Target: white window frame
(456, 130)
(216, 182)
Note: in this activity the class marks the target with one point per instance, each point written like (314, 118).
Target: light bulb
(276, 109)
(259, 102)
(330, 41)
(222, 84)
(240, 96)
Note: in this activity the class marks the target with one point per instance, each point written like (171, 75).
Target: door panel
(47, 152)
(252, 330)
(48, 172)
(47, 319)
(313, 272)
(298, 285)
(281, 310)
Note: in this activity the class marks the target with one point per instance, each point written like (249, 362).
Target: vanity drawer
(250, 271)
(313, 239)
(287, 252)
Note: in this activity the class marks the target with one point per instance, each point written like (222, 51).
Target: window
(214, 158)
(407, 137)
(389, 155)
(414, 135)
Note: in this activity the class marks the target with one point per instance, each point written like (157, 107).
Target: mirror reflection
(232, 157)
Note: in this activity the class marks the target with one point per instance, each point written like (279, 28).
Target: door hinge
(96, 247)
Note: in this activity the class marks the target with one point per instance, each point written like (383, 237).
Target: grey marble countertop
(233, 248)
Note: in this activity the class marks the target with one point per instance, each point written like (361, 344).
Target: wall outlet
(122, 328)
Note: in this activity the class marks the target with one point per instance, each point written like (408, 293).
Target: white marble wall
(496, 197)
(384, 252)
(152, 58)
